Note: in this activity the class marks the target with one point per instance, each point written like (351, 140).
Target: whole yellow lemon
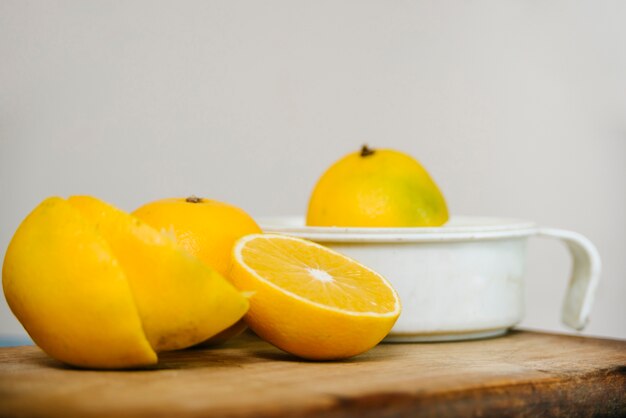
(203, 227)
(376, 188)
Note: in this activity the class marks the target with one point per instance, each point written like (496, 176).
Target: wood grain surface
(522, 374)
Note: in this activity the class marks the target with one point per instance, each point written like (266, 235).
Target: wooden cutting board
(524, 373)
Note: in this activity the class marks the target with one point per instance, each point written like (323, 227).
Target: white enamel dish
(460, 281)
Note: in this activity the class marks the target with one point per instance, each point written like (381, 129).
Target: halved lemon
(311, 301)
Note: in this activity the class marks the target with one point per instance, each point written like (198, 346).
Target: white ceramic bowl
(460, 281)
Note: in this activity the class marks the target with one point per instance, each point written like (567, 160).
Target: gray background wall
(517, 108)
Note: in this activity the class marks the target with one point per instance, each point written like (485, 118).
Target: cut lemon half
(311, 301)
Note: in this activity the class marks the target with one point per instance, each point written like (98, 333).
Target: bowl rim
(459, 228)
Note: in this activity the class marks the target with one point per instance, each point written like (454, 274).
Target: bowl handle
(586, 266)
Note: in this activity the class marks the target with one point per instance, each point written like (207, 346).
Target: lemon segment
(311, 301)
(70, 293)
(180, 300)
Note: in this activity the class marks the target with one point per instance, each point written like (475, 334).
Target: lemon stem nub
(193, 199)
(365, 151)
